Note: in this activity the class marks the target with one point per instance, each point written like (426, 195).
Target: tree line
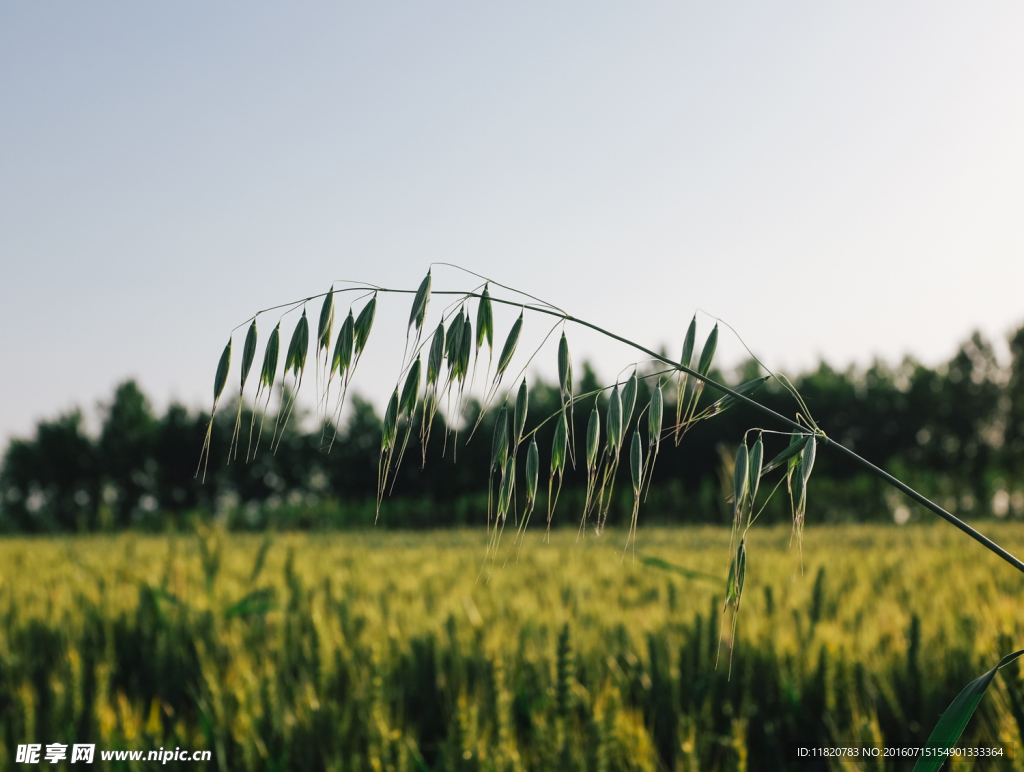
(955, 431)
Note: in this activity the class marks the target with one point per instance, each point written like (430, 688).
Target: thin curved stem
(927, 503)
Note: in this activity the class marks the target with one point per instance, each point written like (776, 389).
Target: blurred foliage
(955, 432)
(377, 651)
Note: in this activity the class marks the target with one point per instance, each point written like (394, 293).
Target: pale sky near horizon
(838, 181)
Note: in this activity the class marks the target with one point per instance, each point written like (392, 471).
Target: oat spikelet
(558, 450)
(690, 394)
(593, 447)
(655, 413)
(248, 354)
(266, 384)
(522, 407)
(484, 327)
(407, 408)
(435, 361)
(389, 434)
(636, 471)
(565, 390)
(219, 381)
(418, 313)
(506, 353)
(532, 473)
(683, 378)
(295, 361)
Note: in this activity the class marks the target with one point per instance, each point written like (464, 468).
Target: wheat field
(381, 651)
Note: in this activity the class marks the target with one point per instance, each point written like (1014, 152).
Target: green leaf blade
(951, 725)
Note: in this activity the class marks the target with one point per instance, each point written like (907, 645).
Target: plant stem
(981, 538)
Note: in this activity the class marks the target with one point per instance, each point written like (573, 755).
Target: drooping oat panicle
(737, 574)
(807, 460)
(593, 446)
(326, 324)
(484, 322)
(506, 491)
(532, 472)
(559, 446)
(522, 406)
(636, 463)
(695, 387)
(453, 344)
(802, 473)
(430, 406)
(756, 457)
(411, 390)
(798, 488)
(636, 470)
(342, 364)
(435, 361)
(390, 427)
(363, 325)
(707, 354)
(614, 422)
(564, 369)
(798, 472)
(499, 442)
(298, 348)
(628, 400)
(734, 594)
(267, 375)
(295, 361)
(219, 381)
(655, 413)
(740, 481)
(565, 391)
(654, 419)
(686, 357)
(436, 357)
(611, 461)
(248, 355)
(466, 348)
(461, 368)
(389, 434)
(419, 305)
(741, 571)
(593, 438)
(270, 356)
(342, 358)
(499, 455)
(507, 351)
(407, 408)
(324, 330)
(683, 380)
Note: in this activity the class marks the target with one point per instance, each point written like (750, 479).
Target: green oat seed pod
(364, 323)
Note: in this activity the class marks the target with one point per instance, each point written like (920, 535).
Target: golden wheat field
(382, 651)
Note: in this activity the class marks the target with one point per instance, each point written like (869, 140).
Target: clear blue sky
(836, 180)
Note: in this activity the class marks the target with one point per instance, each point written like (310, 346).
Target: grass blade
(953, 722)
